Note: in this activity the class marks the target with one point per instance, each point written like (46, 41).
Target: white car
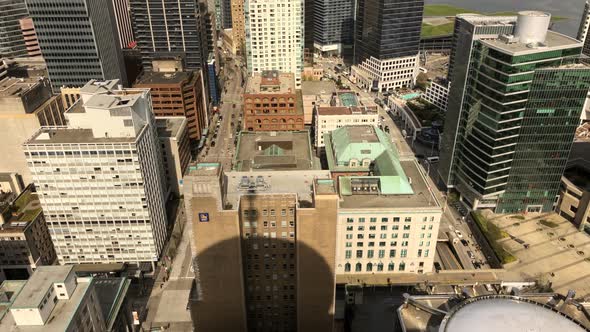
(459, 234)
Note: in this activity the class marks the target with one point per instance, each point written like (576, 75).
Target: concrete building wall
(316, 272)
(217, 252)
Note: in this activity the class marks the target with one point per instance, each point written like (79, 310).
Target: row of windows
(384, 244)
(266, 224)
(379, 267)
(386, 219)
(381, 253)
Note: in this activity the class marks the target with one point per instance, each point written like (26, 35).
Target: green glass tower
(515, 124)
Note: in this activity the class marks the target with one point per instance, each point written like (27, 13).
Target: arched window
(369, 267)
(380, 267)
(390, 267)
(358, 267)
(347, 267)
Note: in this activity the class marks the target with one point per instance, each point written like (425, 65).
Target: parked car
(212, 143)
(464, 242)
(470, 254)
(459, 234)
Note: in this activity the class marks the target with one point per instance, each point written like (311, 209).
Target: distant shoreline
(436, 25)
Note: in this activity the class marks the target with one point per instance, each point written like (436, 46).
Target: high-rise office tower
(78, 39)
(226, 20)
(309, 21)
(12, 43)
(515, 102)
(100, 179)
(123, 19)
(264, 239)
(170, 28)
(387, 38)
(274, 36)
(333, 26)
(30, 36)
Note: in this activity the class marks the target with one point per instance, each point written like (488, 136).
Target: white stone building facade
(386, 240)
(386, 75)
(100, 180)
(437, 94)
(325, 121)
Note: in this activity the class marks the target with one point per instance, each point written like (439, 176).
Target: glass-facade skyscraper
(518, 112)
(386, 43)
(79, 41)
(12, 43)
(170, 28)
(333, 25)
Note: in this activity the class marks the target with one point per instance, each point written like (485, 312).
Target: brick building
(271, 103)
(177, 93)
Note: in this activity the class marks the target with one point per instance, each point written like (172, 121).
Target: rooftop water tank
(531, 27)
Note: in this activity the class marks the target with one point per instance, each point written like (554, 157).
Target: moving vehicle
(470, 254)
(459, 234)
(464, 242)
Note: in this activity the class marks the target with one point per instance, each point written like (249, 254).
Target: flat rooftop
(38, 284)
(318, 87)
(150, 78)
(109, 292)
(169, 126)
(21, 212)
(60, 316)
(421, 198)
(553, 41)
(262, 151)
(17, 87)
(72, 136)
(275, 182)
(270, 82)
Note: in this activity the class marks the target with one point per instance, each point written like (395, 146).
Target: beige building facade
(25, 106)
(275, 242)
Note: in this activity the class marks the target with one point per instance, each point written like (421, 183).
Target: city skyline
(294, 165)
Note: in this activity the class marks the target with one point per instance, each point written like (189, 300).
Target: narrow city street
(226, 123)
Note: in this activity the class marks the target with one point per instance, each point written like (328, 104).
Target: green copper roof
(358, 143)
(274, 150)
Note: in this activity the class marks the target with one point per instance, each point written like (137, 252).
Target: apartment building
(30, 36)
(54, 299)
(175, 147)
(271, 103)
(512, 141)
(274, 36)
(342, 109)
(100, 179)
(437, 93)
(177, 92)
(273, 230)
(388, 217)
(387, 38)
(79, 41)
(25, 243)
(26, 104)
